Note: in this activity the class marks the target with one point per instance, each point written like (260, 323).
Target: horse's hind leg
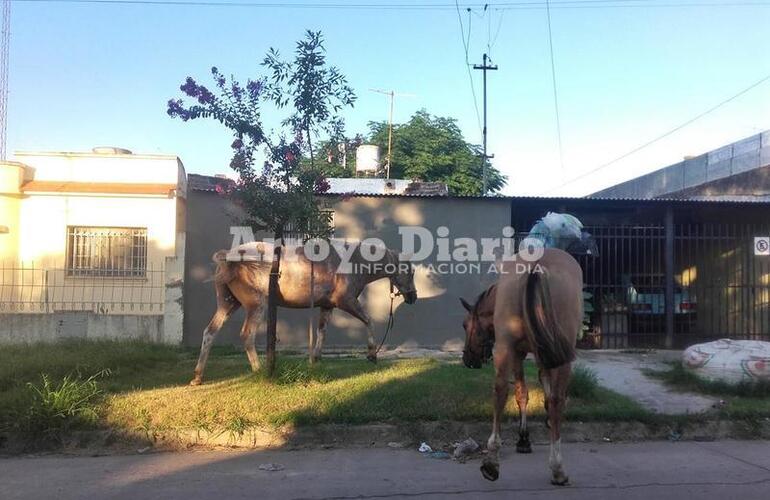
(323, 320)
(249, 334)
(559, 379)
(490, 468)
(522, 398)
(225, 309)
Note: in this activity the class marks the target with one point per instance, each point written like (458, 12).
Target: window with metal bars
(107, 251)
(300, 235)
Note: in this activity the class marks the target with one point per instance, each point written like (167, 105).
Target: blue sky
(84, 75)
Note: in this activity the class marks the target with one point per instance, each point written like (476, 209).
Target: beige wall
(39, 238)
(435, 320)
(11, 175)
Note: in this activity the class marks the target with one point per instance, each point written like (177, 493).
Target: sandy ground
(623, 372)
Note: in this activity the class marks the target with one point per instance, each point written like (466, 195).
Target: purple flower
(254, 88)
(204, 95)
(218, 77)
(177, 110)
(237, 90)
(189, 87)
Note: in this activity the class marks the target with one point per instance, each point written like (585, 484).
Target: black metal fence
(719, 288)
(27, 288)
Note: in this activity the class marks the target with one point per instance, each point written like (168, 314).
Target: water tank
(367, 158)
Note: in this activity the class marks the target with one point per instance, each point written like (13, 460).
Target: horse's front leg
(323, 320)
(559, 379)
(490, 468)
(522, 398)
(355, 309)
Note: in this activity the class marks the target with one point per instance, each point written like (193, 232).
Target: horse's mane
(483, 295)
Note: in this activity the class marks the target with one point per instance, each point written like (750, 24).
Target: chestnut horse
(539, 311)
(244, 283)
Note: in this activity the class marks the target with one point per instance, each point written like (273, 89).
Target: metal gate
(719, 288)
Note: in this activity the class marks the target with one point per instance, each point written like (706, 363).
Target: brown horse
(537, 311)
(245, 283)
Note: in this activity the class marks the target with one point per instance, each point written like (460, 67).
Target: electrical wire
(663, 135)
(520, 5)
(467, 63)
(555, 88)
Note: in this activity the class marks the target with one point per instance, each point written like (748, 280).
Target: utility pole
(485, 67)
(392, 94)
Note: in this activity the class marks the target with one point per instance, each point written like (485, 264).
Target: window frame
(136, 252)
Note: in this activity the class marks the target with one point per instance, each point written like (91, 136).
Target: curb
(440, 435)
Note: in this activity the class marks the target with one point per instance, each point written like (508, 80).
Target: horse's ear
(465, 304)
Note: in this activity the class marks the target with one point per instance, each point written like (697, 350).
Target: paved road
(658, 470)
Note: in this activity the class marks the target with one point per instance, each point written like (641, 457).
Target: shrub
(53, 408)
(583, 383)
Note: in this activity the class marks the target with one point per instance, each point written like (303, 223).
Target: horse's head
(403, 281)
(479, 332)
(586, 245)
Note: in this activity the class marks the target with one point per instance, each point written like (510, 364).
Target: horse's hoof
(560, 479)
(196, 381)
(523, 446)
(490, 471)
(547, 424)
(372, 358)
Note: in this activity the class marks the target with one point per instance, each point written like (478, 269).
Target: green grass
(744, 400)
(146, 390)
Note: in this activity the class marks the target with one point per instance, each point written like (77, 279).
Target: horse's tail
(547, 341)
(223, 274)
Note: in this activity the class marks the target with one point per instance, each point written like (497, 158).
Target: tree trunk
(311, 326)
(272, 305)
(310, 146)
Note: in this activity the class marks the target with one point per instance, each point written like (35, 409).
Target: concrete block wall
(741, 156)
(52, 327)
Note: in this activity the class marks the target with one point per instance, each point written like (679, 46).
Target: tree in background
(281, 192)
(432, 148)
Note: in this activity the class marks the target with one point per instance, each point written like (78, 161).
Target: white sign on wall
(762, 245)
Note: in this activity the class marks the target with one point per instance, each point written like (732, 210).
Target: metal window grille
(299, 235)
(106, 251)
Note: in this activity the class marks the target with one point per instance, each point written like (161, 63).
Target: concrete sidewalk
(623, 373)
(660, 470)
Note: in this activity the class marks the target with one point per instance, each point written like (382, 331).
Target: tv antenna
(392, 94)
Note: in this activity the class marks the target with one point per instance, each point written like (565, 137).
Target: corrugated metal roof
(207, 183)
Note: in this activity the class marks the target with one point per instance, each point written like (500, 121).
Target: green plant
(583, 383)
(298, 373)
(55, 408)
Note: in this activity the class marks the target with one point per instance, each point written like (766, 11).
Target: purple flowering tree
(275, 189)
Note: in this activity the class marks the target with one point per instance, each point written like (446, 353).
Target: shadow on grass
(147, 392)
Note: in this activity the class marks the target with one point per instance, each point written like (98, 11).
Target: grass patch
(53, 408)
(745, 400)
(147, 390)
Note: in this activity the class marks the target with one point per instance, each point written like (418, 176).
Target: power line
(497, 31)
(467, 63)
(664, 135)
(555, 90)
(503, 6)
